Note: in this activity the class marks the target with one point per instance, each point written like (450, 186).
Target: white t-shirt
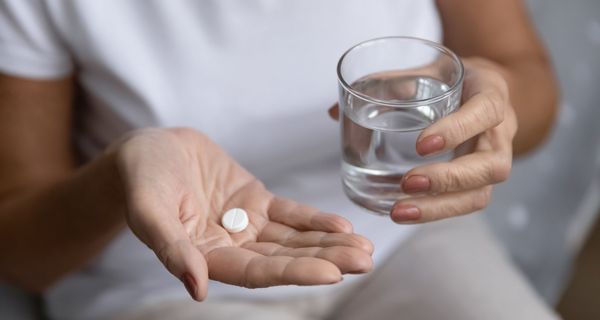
(257, 76)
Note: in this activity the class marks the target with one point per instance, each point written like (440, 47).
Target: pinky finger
(440, 206)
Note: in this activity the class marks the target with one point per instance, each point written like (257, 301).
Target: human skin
(55, 216)
(508, 108)
(509, 105)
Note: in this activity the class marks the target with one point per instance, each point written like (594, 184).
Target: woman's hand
(178, 184)
(482, 130)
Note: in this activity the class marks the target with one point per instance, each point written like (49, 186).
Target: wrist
(104, 188)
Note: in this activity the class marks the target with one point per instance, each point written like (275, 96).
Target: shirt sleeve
(29, 44)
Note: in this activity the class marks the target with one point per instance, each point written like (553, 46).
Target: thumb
(173, 247)
(187, 263)
(334, 112)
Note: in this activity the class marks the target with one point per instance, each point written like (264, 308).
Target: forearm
(501, 32)
(534, 96)
(48, 231)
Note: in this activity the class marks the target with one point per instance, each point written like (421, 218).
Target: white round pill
(235, 220)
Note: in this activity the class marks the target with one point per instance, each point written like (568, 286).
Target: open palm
(178, 185)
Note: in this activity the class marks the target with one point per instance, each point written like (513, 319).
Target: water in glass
(379, 141)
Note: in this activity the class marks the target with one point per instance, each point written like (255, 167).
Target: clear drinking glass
(390, 89)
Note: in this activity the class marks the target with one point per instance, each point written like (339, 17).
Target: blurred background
(546, 214)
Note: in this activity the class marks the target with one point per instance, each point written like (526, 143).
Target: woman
(250, 80)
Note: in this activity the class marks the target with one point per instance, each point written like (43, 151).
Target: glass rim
(407, 103)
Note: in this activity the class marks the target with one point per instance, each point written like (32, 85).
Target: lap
(451, 269)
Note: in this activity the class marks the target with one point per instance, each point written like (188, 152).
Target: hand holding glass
(390, 90)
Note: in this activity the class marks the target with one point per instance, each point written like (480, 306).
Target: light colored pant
(452, 269)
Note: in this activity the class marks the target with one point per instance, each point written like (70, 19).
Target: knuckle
(489, 171)
(449, 180)
(512, 121)
(501, 169)
(496, 78)
(482, 198)
(501, 175)
(501, 84)
(493, 107)
(460, 132)
(449, 210)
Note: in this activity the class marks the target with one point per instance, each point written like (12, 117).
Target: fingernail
(405, 212)
(190, 284)
(430, 144)
(415, 184)
(334, 112)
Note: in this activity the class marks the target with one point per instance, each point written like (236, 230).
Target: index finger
(480, 113)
